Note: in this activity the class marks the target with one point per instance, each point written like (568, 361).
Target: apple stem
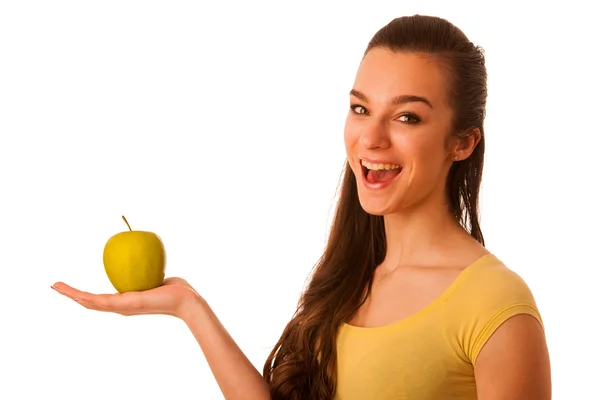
(126, 222)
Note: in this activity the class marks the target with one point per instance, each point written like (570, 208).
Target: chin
(375, 207)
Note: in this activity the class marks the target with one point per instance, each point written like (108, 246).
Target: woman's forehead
(384, 74)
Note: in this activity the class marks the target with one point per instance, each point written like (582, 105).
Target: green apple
(134, 260)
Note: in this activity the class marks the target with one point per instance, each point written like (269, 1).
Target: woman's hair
(302, 365)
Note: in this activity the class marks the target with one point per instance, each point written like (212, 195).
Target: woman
(406, 302)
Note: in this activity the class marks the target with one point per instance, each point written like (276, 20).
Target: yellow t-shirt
(430, 355)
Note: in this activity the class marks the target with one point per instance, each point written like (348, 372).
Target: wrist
(191, 307)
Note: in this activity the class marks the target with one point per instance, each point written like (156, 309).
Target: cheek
(426, 158)
(351, 138)
(428, 147)
(351, 134)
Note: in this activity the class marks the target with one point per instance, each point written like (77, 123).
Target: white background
(219, 126)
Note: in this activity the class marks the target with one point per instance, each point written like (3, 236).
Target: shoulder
(488, 294)
(489, 278)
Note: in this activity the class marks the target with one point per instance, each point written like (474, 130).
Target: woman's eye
(409, 118)
(358, 109)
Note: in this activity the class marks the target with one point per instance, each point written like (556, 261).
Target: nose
(375, 136)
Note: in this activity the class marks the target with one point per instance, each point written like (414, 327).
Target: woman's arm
(514, 363)
(236, 376)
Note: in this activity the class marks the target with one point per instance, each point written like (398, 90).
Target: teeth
(377, 167)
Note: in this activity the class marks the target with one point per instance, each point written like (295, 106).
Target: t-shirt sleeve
(484, 301)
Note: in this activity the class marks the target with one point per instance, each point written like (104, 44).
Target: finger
(102, 302)
(157, 301)
(96, 307)
(175, 281)
(119, 303)
(178, 281)
(70, 291)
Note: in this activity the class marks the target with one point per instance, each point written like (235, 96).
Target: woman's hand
(169, 299)
(237, 377)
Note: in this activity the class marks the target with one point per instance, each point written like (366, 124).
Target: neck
(420, 234)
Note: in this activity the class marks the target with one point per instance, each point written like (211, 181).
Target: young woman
(406, 302)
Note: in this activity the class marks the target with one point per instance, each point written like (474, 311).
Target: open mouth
(380, 173)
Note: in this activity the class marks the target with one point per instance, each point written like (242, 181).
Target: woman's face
(400, 119)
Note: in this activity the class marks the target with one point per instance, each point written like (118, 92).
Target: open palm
(167, 299)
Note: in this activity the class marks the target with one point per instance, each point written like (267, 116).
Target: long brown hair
(302, 365)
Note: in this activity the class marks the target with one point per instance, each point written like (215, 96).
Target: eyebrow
(402, 99)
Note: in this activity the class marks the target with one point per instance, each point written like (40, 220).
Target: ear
(466, 144)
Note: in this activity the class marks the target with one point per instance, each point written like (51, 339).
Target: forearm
(235, 374)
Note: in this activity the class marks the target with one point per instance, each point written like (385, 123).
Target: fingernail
(52, 287)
